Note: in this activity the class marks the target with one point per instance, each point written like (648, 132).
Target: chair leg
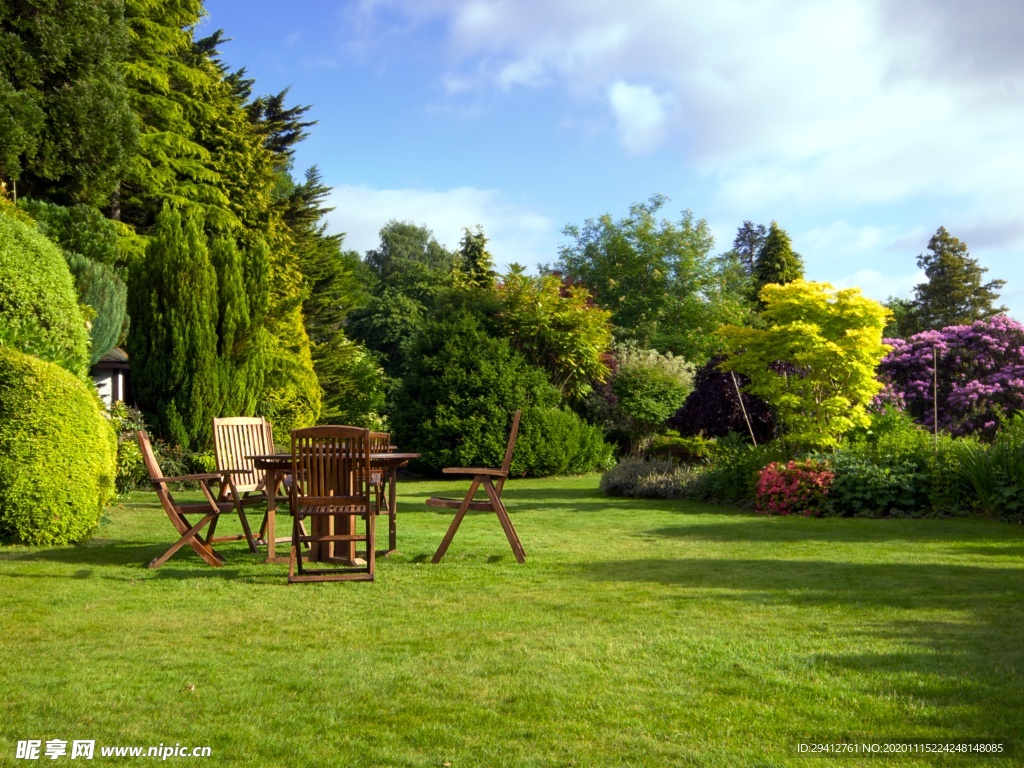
(506, 521)
(461, 513)
(191, 538)
(295, 555)
(247, 530)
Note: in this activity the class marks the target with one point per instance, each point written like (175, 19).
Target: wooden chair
(482, 477)
(331, 482)
(235, 439)
(211, 509)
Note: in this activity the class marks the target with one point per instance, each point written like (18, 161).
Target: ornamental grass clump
(797, 487)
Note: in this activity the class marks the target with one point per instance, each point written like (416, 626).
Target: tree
(833, 341)
(100, 289)
(474, 265)
(657, 278)
(410, 260)
(172, 341)
(905, 321)
(66, 128)
(649, 388)
(748, 242)
(777, 262)
(953, 293)
(558, 328)
(713, 408)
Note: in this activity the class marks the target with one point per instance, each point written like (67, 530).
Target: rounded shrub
(57, 453)
(456, 398)
(39, 312)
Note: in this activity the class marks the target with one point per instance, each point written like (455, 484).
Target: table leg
(392, 510)
(272, 518)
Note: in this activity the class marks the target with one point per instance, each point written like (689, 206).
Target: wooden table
(279, 465)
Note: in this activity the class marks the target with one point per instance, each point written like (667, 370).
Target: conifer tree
(953, 293)
(173, 337)
(777, 262)
(66, 128)
(474, 263)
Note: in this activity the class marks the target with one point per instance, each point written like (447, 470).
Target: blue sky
(860, 126)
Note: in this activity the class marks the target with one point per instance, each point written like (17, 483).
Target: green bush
(79, 229)
(57, 453)
(555, 441)
(39, 312)
(650, 479)
(107, 295)
(863, 487)
(455, 402)
(734, 470)
(685, 450)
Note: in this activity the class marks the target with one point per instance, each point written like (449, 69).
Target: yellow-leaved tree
(815, 360)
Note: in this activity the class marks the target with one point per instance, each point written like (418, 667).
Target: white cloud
(849, 103)
(641, 116)
(516, 233)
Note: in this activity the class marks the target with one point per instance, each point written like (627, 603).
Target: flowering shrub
(980, 374)
(796, 487)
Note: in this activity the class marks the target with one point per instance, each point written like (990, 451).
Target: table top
(375, 458)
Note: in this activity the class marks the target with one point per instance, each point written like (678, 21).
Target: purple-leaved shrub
(980, 375)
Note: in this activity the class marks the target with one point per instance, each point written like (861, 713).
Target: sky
(860, 126)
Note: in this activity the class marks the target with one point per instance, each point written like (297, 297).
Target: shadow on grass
(759, 528)
(826, 583)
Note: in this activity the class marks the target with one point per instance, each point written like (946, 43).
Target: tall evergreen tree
(953, 293)
(777, 262)
(66, 128)
(475, 265)
(173, 337)
(748, 242)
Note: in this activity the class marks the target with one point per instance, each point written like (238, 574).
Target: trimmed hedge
(39, 312)
(57, 453)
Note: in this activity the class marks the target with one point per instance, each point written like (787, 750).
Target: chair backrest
(507, 463)
(380, 442)
(234, 439)
(331, 467)
(153, 468)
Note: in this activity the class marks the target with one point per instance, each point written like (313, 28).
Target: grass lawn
(638, 633)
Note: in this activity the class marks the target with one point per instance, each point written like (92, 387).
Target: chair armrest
(190, 478)
(474, 471)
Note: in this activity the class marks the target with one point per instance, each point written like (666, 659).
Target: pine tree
(777, 262)
(953, 293)
(173, 337)
(475, 265)
(748, 242)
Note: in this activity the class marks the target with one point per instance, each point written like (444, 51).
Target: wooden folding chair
(482, 477)
(331, 482)
(211, 509)
(235, 439)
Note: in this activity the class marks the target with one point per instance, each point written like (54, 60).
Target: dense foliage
(833, 340)
(39, 312)
(657, 278)
(56, 453)
(980, 375)
(713, 408)
(776, 261)
(66, 128)
(557, 327)
(457, 394)
(953, 293)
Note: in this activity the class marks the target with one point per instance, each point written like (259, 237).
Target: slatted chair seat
(211, 509)
(482, 477)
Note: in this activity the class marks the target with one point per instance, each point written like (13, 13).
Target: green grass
(639, 633)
